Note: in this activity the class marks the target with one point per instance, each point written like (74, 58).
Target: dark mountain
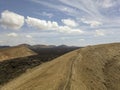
(43, 46)
(4, 47)
(56, 50)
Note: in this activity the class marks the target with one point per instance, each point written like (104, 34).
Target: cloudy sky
(70, 22)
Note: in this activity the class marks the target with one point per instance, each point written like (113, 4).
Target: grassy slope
(13, 68)
(15, 52)
(90, 68)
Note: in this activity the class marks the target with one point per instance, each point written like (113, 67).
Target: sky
(57, 22)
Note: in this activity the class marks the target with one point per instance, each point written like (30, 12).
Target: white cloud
(92, 23)
(93, 10)
(89, 7)
(49, 25)
(28, 36)
(41, 24)
(99, 33)
(82, 39)
(106, 3)
(11, 20)
(62, 8)
(12, 34)
(49, 15)
(69, 22)
(67, 29)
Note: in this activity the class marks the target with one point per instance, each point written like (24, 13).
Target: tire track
(68, 82)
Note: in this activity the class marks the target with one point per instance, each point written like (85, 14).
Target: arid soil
(90, 68)
(13, 68)
(15, 52)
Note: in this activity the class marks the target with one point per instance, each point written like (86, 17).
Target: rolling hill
(90, 68)
(12, 68)
(15, 52)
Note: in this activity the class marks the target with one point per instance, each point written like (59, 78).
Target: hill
(90, 68)
(12, 68)
(52, 50)
(15, 52)
(46, 50)
(4, 47)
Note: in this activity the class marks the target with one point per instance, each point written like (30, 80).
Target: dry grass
(15, 52)
(90, 68)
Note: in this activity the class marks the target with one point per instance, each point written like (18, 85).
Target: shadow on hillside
(13, 68)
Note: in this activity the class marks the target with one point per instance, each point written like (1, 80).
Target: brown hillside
(15, 52)
(90, 68)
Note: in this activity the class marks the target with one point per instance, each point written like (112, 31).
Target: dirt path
(55, 75)
(67, 84)
(90, 68)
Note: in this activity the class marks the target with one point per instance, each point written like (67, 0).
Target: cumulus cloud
(92, 23)
(41, 24)
(12, 34)
(69, 22)
(49, 25)
(99, 33)
(67, 29)
(11, 20)
(96, 10)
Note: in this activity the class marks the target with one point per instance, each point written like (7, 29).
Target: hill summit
(90, 68)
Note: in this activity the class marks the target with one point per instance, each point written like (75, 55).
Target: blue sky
(56, 22)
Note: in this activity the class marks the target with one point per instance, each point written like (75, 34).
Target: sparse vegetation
(10, 69)
(90, 68)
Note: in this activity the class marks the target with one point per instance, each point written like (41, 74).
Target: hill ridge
(15, 52)
(90, 68)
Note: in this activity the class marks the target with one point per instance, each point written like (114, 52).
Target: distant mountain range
(4, 47)
(52, 49)
(47, 49)
(41, 46)
(46, 46)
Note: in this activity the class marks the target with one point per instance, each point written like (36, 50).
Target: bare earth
(90, 68)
